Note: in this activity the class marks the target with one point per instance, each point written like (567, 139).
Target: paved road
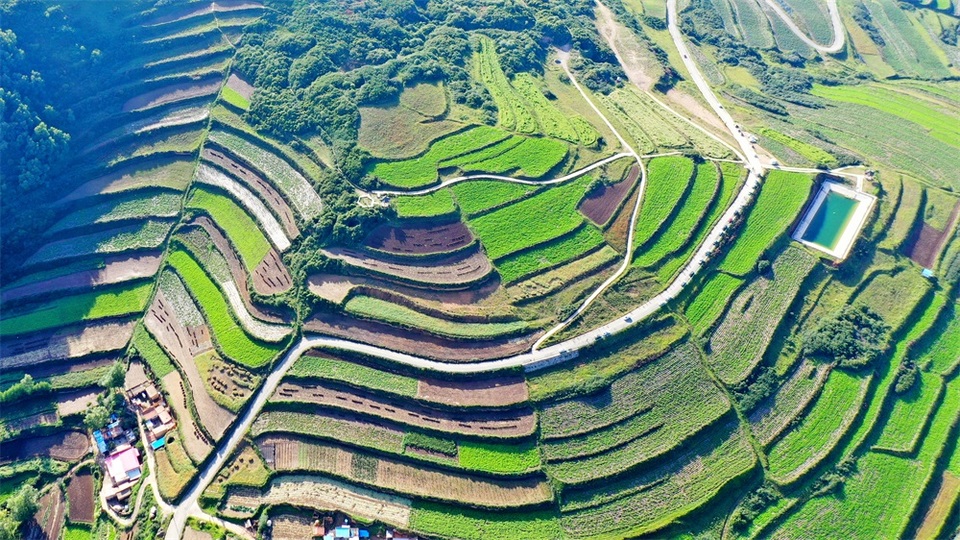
(839, 34)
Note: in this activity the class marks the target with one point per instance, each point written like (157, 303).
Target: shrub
(855, 337)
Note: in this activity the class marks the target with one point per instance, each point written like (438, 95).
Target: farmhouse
(154, 412)
(123, 470)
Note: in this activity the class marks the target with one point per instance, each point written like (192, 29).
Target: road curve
(839, 34)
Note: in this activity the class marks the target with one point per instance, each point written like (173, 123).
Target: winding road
(839, 35)
(538, 357)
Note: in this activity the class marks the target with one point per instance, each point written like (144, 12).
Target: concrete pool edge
(853, 227)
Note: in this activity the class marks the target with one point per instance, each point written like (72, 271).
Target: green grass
(353, 374)
(240, 228)
(126, 299)
(228, 334)
(458, 522)
(146, 235)
(553, 121)
(821, 429)
(422, 171)
(479, 195)
(781, 197)
(428, 99)
(373, 308)
(499, 458)
(710, 302)
(693, 210)
(532, 158)
(894, 297)
(152, 353)
(513, 113)
(234, 98)
(515, 267)
(667, 180)
(125, 207)
(438, 203)
(532, 221)
(910, 413)
(72, 531)
(331, 428)
(809, 152)
(423, 441)
(944, 354)
(896, 234)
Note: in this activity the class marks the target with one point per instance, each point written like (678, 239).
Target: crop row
(125, 207)
(330, 427)
(152, 353)
(499, 458)
(233, 341)
(789, 401)
(518, 266)
(546, 215)
(369, 307)
(422, 170)
(553, 121)
(738, 343)
(148, 234)
(533, 158)
(711, 301)
(654, 499)
(239, 227)
(667, 181)
(295, 188)
(354, 374)
(478, 196)
(813, 18)
(832, 414)
(809, 152)
(911, 199)
(513, 112)
(116, 301)
(446, 521)
(781, 197)
(197, 241)
(438, 203)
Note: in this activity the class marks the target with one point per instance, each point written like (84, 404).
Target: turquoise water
(831, 220)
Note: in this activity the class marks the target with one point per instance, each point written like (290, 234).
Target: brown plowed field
(398, 476)
(77, 401)
(263, 188)
(242, 87)
(271, 276)
(460, 269)
(236, 268)
(194, 441)
(117, 268)
(68, 446)
(419, 240)
(173, 93)
(335, 287)
(603, 202)
(616, 233)
(80, 494)
(514, 423)
(290, 527)
(417, 343)
(925, 246)
(48, 521)
(48, 370)
(65, 343)
(496, 392)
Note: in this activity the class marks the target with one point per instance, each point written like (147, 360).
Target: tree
(854, 337)
(96, 417)
(115, 377)
(23, 504)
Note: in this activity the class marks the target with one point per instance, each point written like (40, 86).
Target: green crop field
(376, 309)
(148, 234)
(234, 98)
(667, 181)
(553, 121)
(438, 203)
(125, 207)
(329, 428)
(499, 458)
(117, 301)
(711, 301)
(240, 228)
(811, 153)
(515, 267)
(459, 522)
(227, 333)
(514, 113)
(894, 297)
(910, 412)
(906, 214)
(354, 374)
(781, 197)
(547, 215)
(152, 353)
(480, 195)
(532, 158)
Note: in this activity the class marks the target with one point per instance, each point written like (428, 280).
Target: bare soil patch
(417, 343)
(616, 233)
(513, 423)
(76, 402)
(458, 270)
(925, 245)
(116, 269)
(939, 510)
(600, 205)
(497, 392)
(291, 527)
(241, 86)
(67, 446)
(80, 494)
(419, 240)
(166, 171)
(194, 441)
(172, 93)
(271, 275)
(136, 375)
(48, 521)
(193, 534)
(65, 343)
(263, 188)
(334, 287)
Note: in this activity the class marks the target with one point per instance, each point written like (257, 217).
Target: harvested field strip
(195, 442)
(695, 207)
(911, 199)
(499, 458)
(675, 398)
(667, 181)
(174, 470)
(400, 477)
(738, 344)
(443, 521)
(541, 284)
(330, 426)
(373, 308)
(520, 265)
(790, 401)
(513, 113)
(938, 514)
(169, 173)
(316, 364)
(821, 429)
(488, 392)
(152, 353)
(654, 499)
(322, 492)
(239, 227)
(84, 274)
(910, 414)
(710, 302)
(295, 188)
(255, 327)
(127, 207)
(184, 308)
(532, 158)
(438, 203)
(66, 343)
(547, 215)
(478, 196)
(500, 424)
(422, 171)
(172, 93)
(231, 338)
(600, 205)
(464, 267)
(249, 201)
(227, 384)
(110, 302)
(147, 235)
(171, 140)
(400, 240)
(781, 197)
(69, 377)
(170, 119)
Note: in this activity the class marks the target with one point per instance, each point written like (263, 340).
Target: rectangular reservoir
(834, 220)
